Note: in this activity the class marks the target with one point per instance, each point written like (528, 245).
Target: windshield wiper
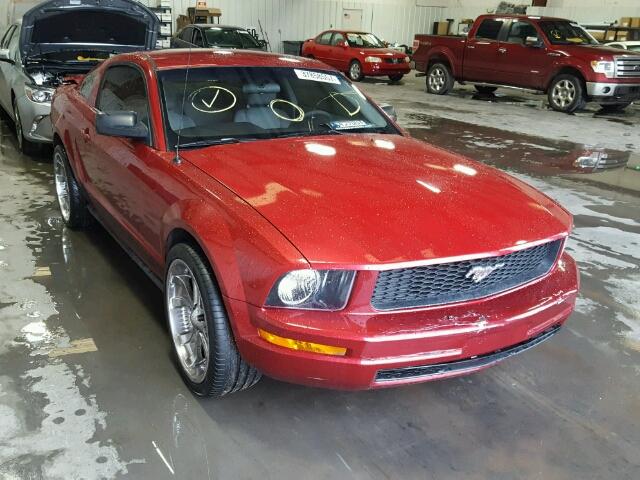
(209, 143)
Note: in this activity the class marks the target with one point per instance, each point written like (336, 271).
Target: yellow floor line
(83, 345)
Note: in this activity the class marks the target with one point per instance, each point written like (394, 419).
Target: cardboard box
(165, 17)
(165, 29)
(610, 36)
(442, 28)
(635, 22)
(625, 22)
(597, 34)
(164, 3)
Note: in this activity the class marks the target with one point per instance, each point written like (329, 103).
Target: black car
(219, 36)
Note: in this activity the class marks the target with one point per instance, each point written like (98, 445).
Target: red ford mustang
(358, 54)
(297, 231)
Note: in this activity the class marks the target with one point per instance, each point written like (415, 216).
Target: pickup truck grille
(627, 67)
(462, 281)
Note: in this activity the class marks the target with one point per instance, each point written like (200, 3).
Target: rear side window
(123, 90)
(325, 38)
(489, 29)
(337, 39)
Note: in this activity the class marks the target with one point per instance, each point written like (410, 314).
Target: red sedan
(297, 231)
(358, 54)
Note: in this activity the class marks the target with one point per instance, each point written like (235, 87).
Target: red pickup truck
(551, 55)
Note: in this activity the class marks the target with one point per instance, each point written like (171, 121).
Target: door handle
(470, 46)
(554, 54)
(502, 50)
(85, 134)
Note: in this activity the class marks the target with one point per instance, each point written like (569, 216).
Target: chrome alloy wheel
(563, 93)
(187, 320)
(355, 71)
(437, 79)
(62, 185)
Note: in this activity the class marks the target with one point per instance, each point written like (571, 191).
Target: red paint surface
(371, 202)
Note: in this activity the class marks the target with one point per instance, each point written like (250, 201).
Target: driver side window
(325, 38)
(338, 39)
(123, 90)
(519, 31)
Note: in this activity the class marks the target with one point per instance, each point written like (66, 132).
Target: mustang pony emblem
(479, 273)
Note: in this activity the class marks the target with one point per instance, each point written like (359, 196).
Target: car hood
(599, 52)
(114, 26)
(381, 199)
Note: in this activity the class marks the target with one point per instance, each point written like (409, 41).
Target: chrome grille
(627, 67)
(457, 281)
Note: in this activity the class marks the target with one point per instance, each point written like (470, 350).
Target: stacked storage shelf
(164, 13)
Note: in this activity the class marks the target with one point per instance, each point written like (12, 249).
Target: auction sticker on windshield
(316, 76)
(348, 124)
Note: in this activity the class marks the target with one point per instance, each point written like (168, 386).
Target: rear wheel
(566, 93)
(73, 206)
(355, 71)
(439, 79)
(396, 78)
(25, 146)
(614, 107)
(484, 90)
(203, 343)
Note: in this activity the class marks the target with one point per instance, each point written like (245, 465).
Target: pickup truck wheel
(566, 93)
(203, 343)
(614, 107)
(439, 79)
(355, 71)
(73, 206)
(484, 90)
(395, 78)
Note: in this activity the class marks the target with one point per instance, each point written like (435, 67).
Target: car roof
(344, 31)
(204, 57)
(523, 17)
(214, 25)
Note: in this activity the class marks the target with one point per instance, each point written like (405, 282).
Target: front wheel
(355, 71)
(73, 206)
(396, 78)
(566, 93)
(203, 343)
(439, 79)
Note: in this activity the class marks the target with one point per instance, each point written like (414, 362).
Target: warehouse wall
(585, 11)
(393, 20)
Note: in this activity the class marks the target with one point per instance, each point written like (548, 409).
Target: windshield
(567, 33)
(364, 40)
(230, 38)
(246, 103)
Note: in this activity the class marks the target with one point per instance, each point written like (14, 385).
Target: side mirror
(390, 111)
(532, 42)
(4, 56)
(121, 124)
(345, 44)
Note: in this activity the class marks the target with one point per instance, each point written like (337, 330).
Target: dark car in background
(216, 36)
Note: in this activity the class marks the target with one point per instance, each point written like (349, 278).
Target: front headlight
(606, 67)
(39, 94)
(407, 59)
(312, 289)
(373, 59)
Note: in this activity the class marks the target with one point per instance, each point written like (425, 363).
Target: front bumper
(378, 342)
(36, 120)
(613, 92)
(383, 69)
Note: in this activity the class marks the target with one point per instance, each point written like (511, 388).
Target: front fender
(565, 64)
(246, 253)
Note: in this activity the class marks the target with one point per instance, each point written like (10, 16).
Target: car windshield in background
(567, 33)
(225, 104)
(230, 38)
(365, 40)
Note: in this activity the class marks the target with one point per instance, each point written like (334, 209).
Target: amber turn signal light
(300, 345)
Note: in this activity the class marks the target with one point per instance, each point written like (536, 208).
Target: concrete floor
(88, 389)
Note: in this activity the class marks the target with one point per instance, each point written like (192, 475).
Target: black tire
(77, 215)
(227, 372)
(355, 71)
(396, 78)
(24, 145)
(614, 107)
(439, 79)
(566, 93)
(484, 90)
